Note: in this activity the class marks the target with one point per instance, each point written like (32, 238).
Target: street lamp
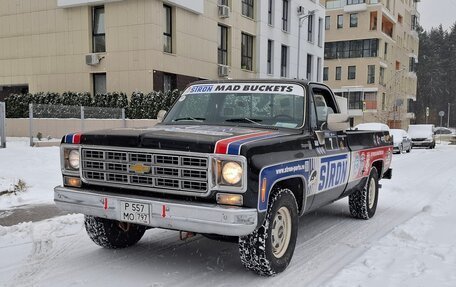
(396, 84)
(301, 20)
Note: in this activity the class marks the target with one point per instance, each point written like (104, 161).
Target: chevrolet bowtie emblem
(140, 168)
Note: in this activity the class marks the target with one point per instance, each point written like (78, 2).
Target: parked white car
(422, 135)
(401, 140)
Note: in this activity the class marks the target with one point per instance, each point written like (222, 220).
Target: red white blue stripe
(233, 145)
(72, 138)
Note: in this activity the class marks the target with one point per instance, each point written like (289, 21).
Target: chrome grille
(149, 170)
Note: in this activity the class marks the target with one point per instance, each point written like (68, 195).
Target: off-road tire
(359, 200)
(256, 249)
(108, 234)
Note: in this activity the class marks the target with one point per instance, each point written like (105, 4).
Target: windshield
(420, 131)
(261, 105)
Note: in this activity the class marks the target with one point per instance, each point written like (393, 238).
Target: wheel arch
(298, 186)
(379, 164)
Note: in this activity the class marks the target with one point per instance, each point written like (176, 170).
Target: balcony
(387, 26)
(355, 8)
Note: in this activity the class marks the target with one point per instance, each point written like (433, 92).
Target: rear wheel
(363, 203)
(111, 233)
(269, 249)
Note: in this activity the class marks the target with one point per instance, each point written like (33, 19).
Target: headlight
(73, 159)
(232, 172)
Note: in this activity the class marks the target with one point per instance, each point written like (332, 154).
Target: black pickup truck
(231, 159)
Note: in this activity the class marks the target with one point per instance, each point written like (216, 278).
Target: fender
(269, 176)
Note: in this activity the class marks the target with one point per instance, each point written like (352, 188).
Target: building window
(99, 83)
(168, 31)
(247, 52)
(327, 22)
(351, 72)
(222, 45)
(371, 74)
(414, 22)
(270, 57)
(285, 12)
(169, 82)
(270, 12)
(351, 49)
(340, 21)
(284, 61)
(318, 69)
(98, 30)
(320, 32)
(381, 77)
(325, 73)
(385, 53)
(353, 20)
(412, 64)
(383, 101)
(373, 21)
(399, 18)
(338, 73)
(370, 98)
(310, 28)
(247, 8)
(398, 65)
(309, 67)
(355, 100)
(354, 2)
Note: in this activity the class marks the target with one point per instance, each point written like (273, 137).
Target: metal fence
(2, 125)
(41, 111)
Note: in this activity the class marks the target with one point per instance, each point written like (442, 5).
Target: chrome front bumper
(178, 215)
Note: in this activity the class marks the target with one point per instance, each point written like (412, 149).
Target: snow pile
(39, 168)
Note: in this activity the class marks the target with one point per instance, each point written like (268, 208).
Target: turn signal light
(230, 199)
(72, 181)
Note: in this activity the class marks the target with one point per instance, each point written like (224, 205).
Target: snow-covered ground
(39, 168)
(410, 242)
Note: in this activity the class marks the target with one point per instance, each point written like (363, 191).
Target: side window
(324, 105)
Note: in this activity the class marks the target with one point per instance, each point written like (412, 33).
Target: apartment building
(128, 45)
(371, 52)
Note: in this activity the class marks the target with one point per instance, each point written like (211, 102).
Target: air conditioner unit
(223, 70)
(224, 11)
(301, 10)
(92, 59)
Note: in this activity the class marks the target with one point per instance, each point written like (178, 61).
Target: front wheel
(363, 203)
(269, 249)
(111, 233)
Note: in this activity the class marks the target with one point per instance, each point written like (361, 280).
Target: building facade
(371, 52)
(130, 45)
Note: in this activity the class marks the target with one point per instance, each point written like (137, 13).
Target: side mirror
(161, 115)
(338, 122)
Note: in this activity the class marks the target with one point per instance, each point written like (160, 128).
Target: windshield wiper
(245, 120)
(189, 119)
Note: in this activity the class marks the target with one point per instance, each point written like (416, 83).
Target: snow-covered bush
(140, 105)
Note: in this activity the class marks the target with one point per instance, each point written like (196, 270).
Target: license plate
(134, 212)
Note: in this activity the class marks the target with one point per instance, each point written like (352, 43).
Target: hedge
(139, 106)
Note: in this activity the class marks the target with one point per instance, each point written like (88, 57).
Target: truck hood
(191, 138)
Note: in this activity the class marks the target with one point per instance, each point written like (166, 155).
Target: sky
(435, 12)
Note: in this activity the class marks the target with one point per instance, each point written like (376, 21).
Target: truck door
(332, 151)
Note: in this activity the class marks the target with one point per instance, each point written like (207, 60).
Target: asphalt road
(29, 213)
